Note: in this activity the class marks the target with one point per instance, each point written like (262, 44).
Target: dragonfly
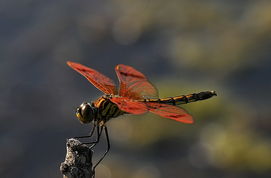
(135, 95)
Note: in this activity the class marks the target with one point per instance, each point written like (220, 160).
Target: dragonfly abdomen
(184, 99)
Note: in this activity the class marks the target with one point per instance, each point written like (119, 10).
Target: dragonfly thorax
(85, 113)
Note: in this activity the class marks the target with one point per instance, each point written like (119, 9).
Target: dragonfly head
(85, 113)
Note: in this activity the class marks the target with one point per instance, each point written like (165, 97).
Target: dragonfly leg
(91, 132)
(99, 133)
(107, 150)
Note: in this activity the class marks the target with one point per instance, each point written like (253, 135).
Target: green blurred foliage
(212, 36)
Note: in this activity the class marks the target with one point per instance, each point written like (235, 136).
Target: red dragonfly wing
(133, 84)
(100, 81)
(169, 111)
(129, 106)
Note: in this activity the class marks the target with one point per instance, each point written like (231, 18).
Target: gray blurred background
(182, 46)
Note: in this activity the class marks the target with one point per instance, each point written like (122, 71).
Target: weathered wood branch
(78, 161)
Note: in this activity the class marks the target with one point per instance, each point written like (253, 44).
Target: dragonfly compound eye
(85, 113)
